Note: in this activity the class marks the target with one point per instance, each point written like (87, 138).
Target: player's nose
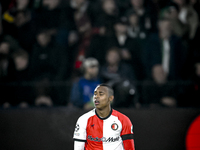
(96, 96)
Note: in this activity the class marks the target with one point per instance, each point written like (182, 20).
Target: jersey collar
(105, 117)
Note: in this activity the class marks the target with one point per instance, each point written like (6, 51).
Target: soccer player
(103, 128)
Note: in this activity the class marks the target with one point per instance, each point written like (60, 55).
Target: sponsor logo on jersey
(103, 139)
(114, 126)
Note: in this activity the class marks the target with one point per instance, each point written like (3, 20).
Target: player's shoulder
(87, 115)
(121, 116)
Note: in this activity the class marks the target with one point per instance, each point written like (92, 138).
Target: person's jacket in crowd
(154, 54)
(50, 62)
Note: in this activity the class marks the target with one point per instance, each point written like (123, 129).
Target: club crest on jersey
(114, 126)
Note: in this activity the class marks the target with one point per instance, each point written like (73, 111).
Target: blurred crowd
(55, 52)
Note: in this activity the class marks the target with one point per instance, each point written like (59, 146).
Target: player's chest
(110, 127)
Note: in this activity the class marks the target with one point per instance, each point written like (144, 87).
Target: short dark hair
(110, 89)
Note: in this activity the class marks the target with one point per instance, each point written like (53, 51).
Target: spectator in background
(130, 48)
(120, 76)
(8, 45)
(115, 69)
(17, 22)
(147, 14)
(4, 58)
(19, 94)
(159, 92)
(96, 49)
(188, 15)
(85, 33)
(134, 28)
(104, 22)
(47, 58)
(5, 63)
(85, 30)
(48, 62)
(83, 89)
(49, 16)
(166, 49)
(9, 15)
(178, 28)
(108, 16)
(25, 29)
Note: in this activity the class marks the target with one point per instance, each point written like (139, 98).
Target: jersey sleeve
(79, 145)
(80, 130)
(127, 134)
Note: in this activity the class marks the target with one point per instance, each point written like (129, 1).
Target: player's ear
(111, 98)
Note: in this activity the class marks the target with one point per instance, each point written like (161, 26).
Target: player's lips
(96, 102)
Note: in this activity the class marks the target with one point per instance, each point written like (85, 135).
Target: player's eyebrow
(101, 91)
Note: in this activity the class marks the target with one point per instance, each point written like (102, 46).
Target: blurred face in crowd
(43, 39)
(133, 20)
(109, 6)
(22, 18)
(92, 71)
(165, 29)
(120, 28)
(51, 4)
(22, 4)
(4, 48)
(21, 62)
(137, 3)
(158, 74)
(113, 57)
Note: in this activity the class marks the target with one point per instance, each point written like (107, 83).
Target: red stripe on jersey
(94, 131)
(129, 144)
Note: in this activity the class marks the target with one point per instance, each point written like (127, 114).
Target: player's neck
(104, 112)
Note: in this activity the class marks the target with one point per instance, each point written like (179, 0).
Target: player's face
(101, 97)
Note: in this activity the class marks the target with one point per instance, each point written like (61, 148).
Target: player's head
(103, 96)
